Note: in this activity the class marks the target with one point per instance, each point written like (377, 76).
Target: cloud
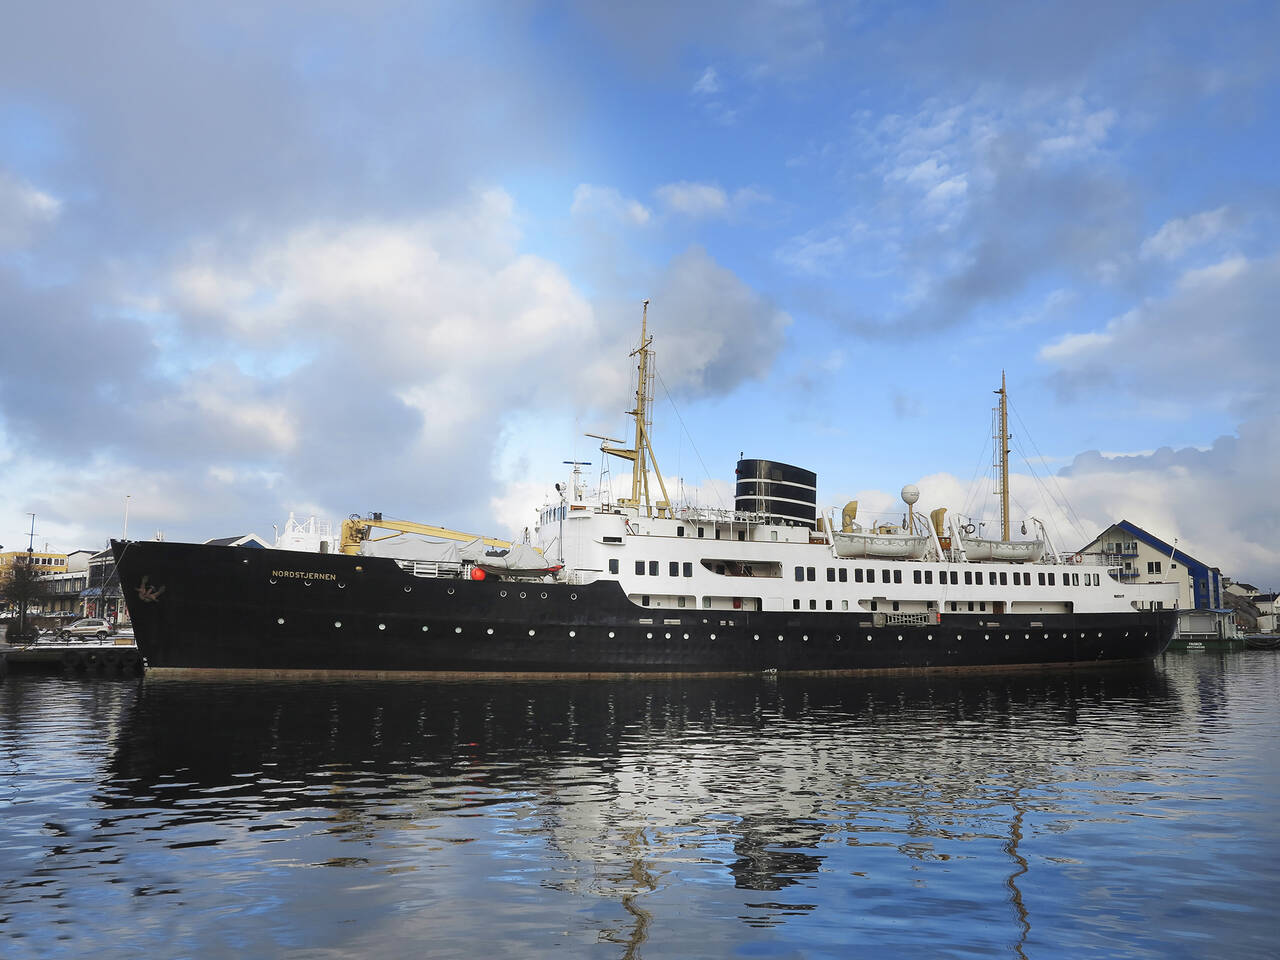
(1216, 319)
(708, 83)
(24, 209)
(1176, 237)
(590, 200)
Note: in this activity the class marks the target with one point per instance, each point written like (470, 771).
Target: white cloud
(590, 200)
(1180, 235)
(1074, 345)
(708, 83)
(24, 209)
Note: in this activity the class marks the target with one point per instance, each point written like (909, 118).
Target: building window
(1153, 566)
(639, 568)
(653, 568)
(613, 565)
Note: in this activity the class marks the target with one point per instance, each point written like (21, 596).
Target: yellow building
(43, 563)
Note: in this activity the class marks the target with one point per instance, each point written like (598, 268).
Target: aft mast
(1001, 437)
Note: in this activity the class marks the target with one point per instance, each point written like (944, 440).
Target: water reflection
(548, 816)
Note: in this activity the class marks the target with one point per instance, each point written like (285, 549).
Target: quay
(114, 657)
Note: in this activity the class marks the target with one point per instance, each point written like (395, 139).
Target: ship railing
(433, 569)
(909, 618)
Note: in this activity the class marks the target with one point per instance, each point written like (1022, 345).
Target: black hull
(200, 606)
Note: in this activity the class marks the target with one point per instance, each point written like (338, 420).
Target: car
(91, 627)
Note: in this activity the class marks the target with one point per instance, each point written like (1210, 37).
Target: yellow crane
(356, 530)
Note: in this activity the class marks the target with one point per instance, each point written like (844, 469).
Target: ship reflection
(633, 784)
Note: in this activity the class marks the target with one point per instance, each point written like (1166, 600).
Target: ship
(641, 585)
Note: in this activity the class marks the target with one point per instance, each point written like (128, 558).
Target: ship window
(895, 605)
(873, 606)
(701, 531)
(799, 574)
(1041, 579)
(831, 574)
(742, 534)
(1051, 583)
(706, 603)
(871, 576)
(844, 575)
(639, 568)
(1017, 578)
(968, 577)
(857, 574)
(884, 575)
(679, 531)
(977, 577)
(955, 578)
(674, 568)
(809, 573)
(645, 600)
(773, 535)
(828, 604)
(613, 565)
(1004, 579)
(917, 576)
(653, 568)
(844, 604)
(688, 569)
(928, 576)
(1075, 579)
(953, 606)
(982, 605)
(813, 604)
(795, 604)
(720, 569)
(717, 533)
(971, 606)
(679, 601)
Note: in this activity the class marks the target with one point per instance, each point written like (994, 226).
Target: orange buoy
(477, 574)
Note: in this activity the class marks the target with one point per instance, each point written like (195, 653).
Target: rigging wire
(1068, 509)
(698, 453)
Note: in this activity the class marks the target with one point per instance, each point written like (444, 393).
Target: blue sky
(343, 257)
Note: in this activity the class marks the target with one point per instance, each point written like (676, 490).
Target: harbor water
(1128, 811)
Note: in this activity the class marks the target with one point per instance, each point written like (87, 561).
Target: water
(1120, 812)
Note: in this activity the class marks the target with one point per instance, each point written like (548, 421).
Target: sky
(335, 257)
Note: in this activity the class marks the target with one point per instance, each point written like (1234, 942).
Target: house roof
(242, 540)
(1151, 540)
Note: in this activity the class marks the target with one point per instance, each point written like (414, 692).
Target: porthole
(382, 626)
(424, 628)
(573, 596)
(271, 580)
(667, 636)
(522, 594)
(457, 629)
(1082, 636)
(1046, 636)
(837, 638)
(1099, 633)
(779, 638)
(868, 638)
(805, 638)
(245, 560)
(686, 636)
(502, 593)
(573, 633)
(610, 634)
(306, 583)
(337, 623)
(408, 589)
(359, 568)
(713, 636)
(489, 631)
(531, 633)
(1126, 633)
(1064, 636)
(986, 636)
(451, 591)
(755, 636)
(341, 585)
(959, 637)
(544, 596)
(280, 620)
(1026, 636)
(648, 636)
(1006, 636)
(928, 636)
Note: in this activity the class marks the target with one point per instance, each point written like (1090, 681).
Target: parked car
(88, 628)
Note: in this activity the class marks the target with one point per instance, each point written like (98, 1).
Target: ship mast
(641, 455)
(1002, 437)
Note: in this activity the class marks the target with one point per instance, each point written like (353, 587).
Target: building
(1136, 556)
(101, 594)
(66, 587)
(42, 561)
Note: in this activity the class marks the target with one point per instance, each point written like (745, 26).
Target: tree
(20, 586)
